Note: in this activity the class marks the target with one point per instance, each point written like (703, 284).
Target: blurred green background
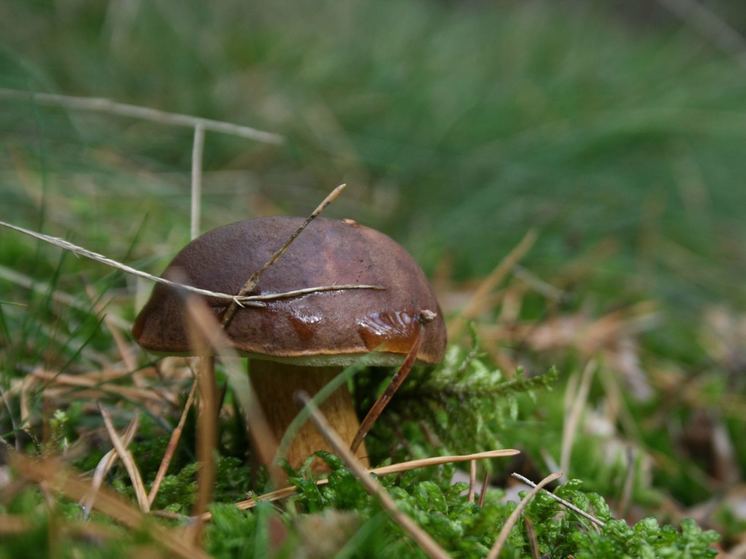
(616, 130)
(458, 126)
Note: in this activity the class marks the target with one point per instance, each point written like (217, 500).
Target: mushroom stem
(275, 385)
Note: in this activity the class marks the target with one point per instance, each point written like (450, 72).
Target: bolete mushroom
(302, 342)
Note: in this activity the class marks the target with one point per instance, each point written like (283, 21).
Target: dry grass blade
(173, 442)
(532, 541)
(380, 404)
(259, 431)
(438, 460)
(483, 493)
(129, 392)
(567, 504)
(629, 483)
(572, 419)
(11, 417)
(98, 104)
(422, 538)
(537, 284)
(709, 25)
(11, 524)
(198, 145)
(207, 428)
(129, 462)
(254, 278)
(105, 464)
(128, 357)
(75, 249)
(472, 481)
(236, 300)
(477, 301)
(25, 401)
(61, 479)
(513, 518)
(285, 492)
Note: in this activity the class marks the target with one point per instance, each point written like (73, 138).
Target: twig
(380, 404)
(513, 518)
(239, 300)
(256, 423)
(254, 278)
(173, 442)
(97, 104)
(129, 462)
(476, 302)
(422, 538)
(563, 502)
(198, 145)
(570, 427)
(104, 465)
(60, 479)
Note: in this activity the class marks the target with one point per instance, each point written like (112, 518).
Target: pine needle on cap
(254, 278)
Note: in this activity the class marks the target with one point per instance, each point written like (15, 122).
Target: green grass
(458, 128)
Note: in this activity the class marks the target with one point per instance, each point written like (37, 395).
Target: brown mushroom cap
(323, 328)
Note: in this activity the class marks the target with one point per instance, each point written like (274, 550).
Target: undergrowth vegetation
(608, 344)
(340, 518)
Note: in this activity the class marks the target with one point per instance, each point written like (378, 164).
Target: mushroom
(302, 342)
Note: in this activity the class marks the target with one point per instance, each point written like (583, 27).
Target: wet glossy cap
(324, 328)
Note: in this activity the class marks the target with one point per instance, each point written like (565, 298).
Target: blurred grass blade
(259, 431)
